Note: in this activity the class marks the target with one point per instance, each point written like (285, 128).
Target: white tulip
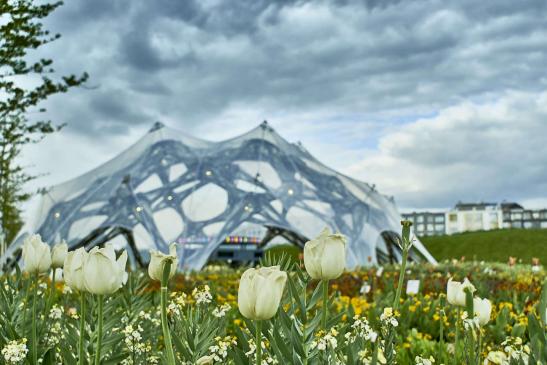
(205, 360)
(482, 309)
(103, 274)
(260, 292)
(325, 256)
(73, 269)
(58, 254)
(36, 255)
(158, 260)
(455, 291)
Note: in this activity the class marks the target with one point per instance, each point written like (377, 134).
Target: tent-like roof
(170, 187)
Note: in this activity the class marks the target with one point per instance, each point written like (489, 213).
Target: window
(420, 218)
(516, 215)
(439, 227)
(439, 218)
(453, 217)
(420, 228)
(516, 225)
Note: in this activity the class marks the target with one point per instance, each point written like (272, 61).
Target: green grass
(286, 249)
(495, 245)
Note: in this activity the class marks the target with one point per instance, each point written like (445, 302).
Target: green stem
(457, 337)
(34, 341)
(441, 335)
(479, 349)
(401, 279)
(258, 342)
(164, 323)
(100, 299)
(374, 360)
(82, 329)
(325, 284)
(304, 323)
(51, 294)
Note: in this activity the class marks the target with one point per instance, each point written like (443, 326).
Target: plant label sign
(365, 289)
(413, 287)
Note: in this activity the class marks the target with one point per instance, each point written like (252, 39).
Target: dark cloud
(351, 56)
(365, 65)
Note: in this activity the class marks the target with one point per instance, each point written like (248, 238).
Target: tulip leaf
(316, 296)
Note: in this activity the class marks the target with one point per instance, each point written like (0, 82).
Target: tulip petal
(122, 262)
(246, 294)
(312, 253)
(173, 249)
(333, 261)
(100, 274)
(269, 291)
(109, 252)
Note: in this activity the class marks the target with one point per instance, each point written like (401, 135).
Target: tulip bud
(73, 269)
(406, 229)
(260, 292)
(58, 254)
(102, 273)
(158, 260)
(205, 360)
(482, 309)
(36, 255)
(455, 291)
(325, 256)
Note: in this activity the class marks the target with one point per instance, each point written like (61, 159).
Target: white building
(469, 217)
(473, 217)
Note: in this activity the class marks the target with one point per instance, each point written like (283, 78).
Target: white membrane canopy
(170, 187)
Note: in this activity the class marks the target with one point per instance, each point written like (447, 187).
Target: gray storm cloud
(342, 76)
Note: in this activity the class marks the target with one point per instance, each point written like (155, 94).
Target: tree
(22, 31)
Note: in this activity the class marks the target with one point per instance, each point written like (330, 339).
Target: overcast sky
(432, 101)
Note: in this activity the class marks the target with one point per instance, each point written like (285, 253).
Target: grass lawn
(495, 245)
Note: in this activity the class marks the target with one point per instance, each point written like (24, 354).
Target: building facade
(469, 217)
(516, 216)
(427, 223)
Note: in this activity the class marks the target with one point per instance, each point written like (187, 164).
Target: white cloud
(471, 151)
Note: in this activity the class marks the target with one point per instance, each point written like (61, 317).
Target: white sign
(379, 271)
(413, 287)
(365, 288)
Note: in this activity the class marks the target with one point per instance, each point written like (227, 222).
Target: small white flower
(202, 296)
(424, 361)
(15, 351)
(221, 311)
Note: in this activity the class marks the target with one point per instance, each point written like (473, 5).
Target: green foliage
(20, 33)
(490, 246)
(201, 326)
(291, 251)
